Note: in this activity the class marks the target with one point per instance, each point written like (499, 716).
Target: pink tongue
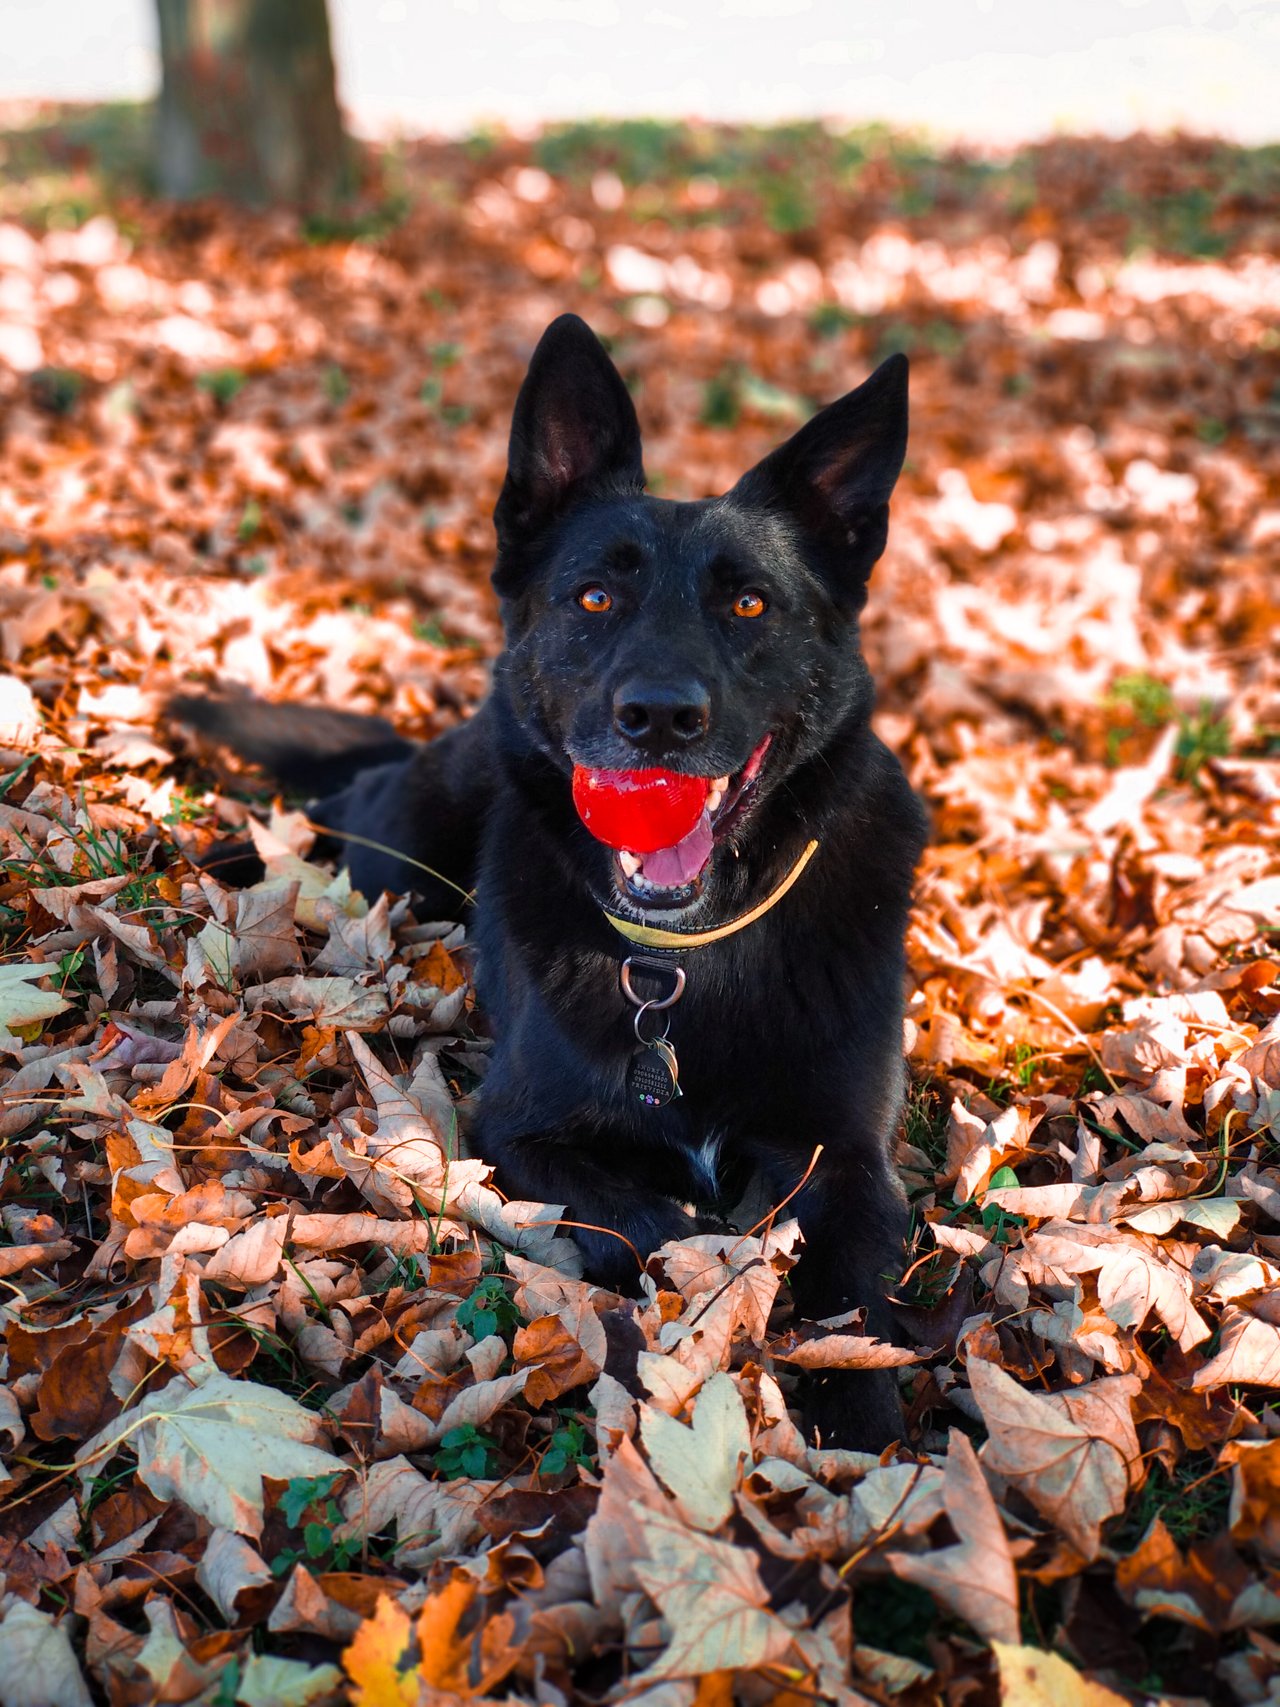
(672, 868)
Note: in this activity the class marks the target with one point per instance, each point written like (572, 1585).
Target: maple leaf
(228, 1568)
(1210, 1588)
(208, 1440)
(729, 1284)
(21, 1004)
(269, 1681)
(557, 1362)
(614, 1541)
(265, 936)
(1255, 1492)
(1134, 1278)
(37, 1665)
(394, 1663)
(701, 1465)
(1074, 1455)
(468, 1665)
(251, 1257)
(378, 1660)
(843, 1351)
(1030, 1677)
(1248, 1352)
(432, 1519)
(975, 1578)
(712, 1598)
(338, 1002)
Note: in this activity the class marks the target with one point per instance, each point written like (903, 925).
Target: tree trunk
(248, 106)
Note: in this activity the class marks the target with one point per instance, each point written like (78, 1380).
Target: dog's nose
(661, 714)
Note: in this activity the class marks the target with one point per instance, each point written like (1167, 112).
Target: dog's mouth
(672, 877)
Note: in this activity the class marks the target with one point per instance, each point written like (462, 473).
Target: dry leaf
(21, 1003)
(975, 1578)
(1248, 1353)
(712, 1599)
(1074, 1455)
(843, 1351)
(37, 1664)
(701, 1465)
(1029, 1677)
(378, 1663)
(208, 1440)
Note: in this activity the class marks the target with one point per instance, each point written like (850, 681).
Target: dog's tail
(310, 748)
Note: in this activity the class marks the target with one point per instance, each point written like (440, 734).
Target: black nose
(654, 715)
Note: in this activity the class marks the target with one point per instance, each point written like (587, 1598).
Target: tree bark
(248, 103)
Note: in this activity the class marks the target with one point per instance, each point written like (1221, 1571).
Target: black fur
(789, 1034)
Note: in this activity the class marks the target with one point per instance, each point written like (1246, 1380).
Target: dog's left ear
(574, 432)
(838, 471)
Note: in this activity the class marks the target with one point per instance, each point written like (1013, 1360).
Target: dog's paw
(616, 1260)
(855, 1409)
(710, 1223)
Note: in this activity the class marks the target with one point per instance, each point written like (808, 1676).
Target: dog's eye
(749, 604)
(595, 600)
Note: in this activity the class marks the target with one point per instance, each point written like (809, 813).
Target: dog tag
(653, 1077)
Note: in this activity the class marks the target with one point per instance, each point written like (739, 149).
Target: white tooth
(629, 863)
(714, 797)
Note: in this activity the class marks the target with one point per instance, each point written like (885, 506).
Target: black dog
(717, 639)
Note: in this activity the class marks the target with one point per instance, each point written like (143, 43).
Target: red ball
(640, 811)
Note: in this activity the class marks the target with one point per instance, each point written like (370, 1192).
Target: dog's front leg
(853, 1216)
(615, 1218)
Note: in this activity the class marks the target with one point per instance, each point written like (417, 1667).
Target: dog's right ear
(574, 433)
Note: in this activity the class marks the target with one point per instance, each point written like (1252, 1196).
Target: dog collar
(649, 936)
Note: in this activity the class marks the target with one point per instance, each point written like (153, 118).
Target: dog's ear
(838, 471)
(574, 432)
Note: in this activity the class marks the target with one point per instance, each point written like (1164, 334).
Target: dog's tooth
(629, 863)
(722, 784)
(714, 797)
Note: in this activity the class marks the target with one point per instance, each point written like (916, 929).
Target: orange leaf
(451, 1662)
(375, 1660)
(1255, 1497)
(437, 969)
(560, 1363)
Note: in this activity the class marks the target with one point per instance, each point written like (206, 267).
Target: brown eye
(595, 600)
(749, 604)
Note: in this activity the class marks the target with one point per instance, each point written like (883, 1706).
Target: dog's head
(718, 638)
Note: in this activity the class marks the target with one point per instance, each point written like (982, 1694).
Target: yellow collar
(649, 936)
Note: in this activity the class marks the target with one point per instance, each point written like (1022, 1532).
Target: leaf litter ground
(295, 1407)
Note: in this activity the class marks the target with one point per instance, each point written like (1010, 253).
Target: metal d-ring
(670, 1001)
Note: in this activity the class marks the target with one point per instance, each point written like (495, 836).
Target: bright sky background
(989, 69)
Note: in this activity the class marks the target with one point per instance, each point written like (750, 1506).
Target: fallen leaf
(701, 1465)
(1030, 1677)
(269, 1681)
(378, 1660)
(557, 1363)
(1074, 1455)
(1248, 1353)
(37, 1664)
(712, 1599)
(843, 1351)
(1255, 1493)
(208, 1441)
(21, 1003)
(228, 1568)
(975, 1577)
(468, 1665)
